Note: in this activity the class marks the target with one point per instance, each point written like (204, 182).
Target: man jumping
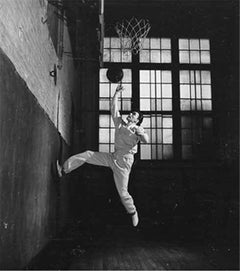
(127, 135)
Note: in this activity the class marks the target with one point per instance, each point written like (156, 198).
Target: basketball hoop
(132, 34)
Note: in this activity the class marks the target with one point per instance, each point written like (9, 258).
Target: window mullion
(176, 101)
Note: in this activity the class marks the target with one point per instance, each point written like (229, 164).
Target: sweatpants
(119, 163)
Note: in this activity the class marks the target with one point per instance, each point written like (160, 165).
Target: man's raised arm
(114, 105)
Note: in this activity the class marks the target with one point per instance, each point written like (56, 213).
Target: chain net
(132, 34)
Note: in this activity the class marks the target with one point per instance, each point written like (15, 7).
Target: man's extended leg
(90, 157)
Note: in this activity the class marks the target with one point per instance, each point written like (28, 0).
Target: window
(155, 50)
(172, 89)
(194, 51)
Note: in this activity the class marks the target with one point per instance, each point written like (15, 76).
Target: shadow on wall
(30, 191)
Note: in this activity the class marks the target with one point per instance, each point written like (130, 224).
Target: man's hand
(119, 88)
(139, 130)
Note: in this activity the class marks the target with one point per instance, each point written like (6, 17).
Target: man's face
(133, 117)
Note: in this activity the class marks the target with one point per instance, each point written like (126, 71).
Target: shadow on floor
(93, 244)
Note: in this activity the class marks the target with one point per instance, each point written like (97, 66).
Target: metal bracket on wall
(53, 74)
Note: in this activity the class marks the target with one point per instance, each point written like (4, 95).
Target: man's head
(135, 117)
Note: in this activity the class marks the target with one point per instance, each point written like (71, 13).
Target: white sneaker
(135, 219)
(59, 169)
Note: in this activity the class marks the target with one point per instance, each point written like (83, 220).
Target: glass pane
(144, 90)
(159, 135)
(186, 122)
(112, 135)
(144, 56)
(159, 152)
(155, 43)
(104, 90)
(104, 104)
(106, 42)
(184, 91)
(126, 56)
(153, 75)
(166, 76)
(207, 105)
(193, 91)
(205, 57)
(198, 92)
(192, 77)
(199, 105)
(184, 57)
(103, 75)
(183, 44)
(103, 147)
(186, 136)
(194, 57)
(165, 44)
(167, 152)
(115, 42)
(185, 105)
(145, 104)
(145, 151)
(106, 55)
(146, 43)
(206, 92)
(206, 79)
(159, 120)
(126, 105)
(186, 152)
(127, 76)
(197, 77)
(153, 136)
(167, 104)
(167, 122)
(166, 56)
(204, 44)
(167, 91)
(167, 136)
(126, 43)
(193, 105)
(115, 55)
(146, 122)
(104, 135)
(158, 78)
(153, 90)
(155, 56)
(104, 121)
(158, 90)
(159, 105)
(144, 76)
(112, 148)
(184, 76)
(194, 44)
(127, 90)
(154, 122)
(155, 103)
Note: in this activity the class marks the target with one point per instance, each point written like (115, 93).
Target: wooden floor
(127, 249)
(122, 247)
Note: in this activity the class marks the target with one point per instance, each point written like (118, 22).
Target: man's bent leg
(121, 178)
(90, 157)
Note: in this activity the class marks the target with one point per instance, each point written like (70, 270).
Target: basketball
(115, 74)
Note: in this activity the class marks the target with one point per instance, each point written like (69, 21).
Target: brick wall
(25, 39)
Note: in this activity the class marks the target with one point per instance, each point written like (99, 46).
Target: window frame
(175, 67)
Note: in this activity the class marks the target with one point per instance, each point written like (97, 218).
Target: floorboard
(122, 247)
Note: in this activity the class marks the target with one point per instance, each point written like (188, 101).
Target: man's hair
(140, 118)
